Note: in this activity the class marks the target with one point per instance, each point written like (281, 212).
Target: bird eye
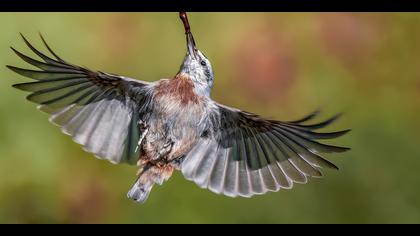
(203, 63)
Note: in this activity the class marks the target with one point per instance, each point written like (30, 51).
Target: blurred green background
(280, 65)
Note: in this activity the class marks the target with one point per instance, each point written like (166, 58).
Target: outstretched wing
(99, 110)
(241, 154)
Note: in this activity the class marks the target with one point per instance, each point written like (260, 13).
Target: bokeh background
(280, 65)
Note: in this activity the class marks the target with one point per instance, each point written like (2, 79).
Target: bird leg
(166, 149)
(143, 128)
(160, 157)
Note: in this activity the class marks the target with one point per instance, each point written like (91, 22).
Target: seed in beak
(192, 50)
(183, 16)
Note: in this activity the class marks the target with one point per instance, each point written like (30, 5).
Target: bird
(174, 125)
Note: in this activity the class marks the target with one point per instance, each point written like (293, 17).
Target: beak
(192, 49)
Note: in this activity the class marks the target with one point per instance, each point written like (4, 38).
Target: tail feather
(147, 177)
(140, 191)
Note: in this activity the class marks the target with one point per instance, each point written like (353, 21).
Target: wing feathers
(100, 111)
(246, 155)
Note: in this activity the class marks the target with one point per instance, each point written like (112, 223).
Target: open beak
(192, 49)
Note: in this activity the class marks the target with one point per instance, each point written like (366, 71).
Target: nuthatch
(173, 124)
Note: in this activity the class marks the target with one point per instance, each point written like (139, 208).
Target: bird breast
(179, 90)
(176, 103)
(176, 116)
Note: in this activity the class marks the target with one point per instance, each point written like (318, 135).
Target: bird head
(196, 65)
